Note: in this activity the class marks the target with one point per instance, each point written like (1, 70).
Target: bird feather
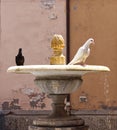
(82, 53)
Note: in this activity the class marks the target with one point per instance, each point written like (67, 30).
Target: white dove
(82, 53)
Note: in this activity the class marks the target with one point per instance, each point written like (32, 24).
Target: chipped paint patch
(47, 4)
(53, 16)
(11, 105)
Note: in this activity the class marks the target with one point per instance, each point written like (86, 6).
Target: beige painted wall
(97, 19)
(29, 24)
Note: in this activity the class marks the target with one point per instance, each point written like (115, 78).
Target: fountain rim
(30, 68)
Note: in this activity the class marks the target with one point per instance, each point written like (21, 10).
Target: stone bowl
(57, 79)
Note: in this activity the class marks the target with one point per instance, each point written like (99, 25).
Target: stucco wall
(96, 19)
(30, 25)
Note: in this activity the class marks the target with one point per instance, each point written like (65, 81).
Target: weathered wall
(30, 25)
(97, 19)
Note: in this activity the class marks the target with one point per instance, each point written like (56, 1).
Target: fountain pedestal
(58, 119)
(58, 88)
(58, 105)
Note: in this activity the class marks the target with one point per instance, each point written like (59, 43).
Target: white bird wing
(82, 53)
(79, 56)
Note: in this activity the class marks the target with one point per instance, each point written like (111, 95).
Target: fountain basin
(57, 79)
(58, 86)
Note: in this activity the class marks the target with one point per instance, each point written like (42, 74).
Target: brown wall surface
(96, 19)
(29, 24)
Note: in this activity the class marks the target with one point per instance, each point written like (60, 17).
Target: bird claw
(82, 64)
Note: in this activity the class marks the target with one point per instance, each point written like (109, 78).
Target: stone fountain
(58, 80)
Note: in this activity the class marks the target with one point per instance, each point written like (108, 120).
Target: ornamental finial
(57, 44)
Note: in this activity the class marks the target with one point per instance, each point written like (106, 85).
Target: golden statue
(57, 44)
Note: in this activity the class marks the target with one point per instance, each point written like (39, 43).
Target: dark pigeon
(19, 59)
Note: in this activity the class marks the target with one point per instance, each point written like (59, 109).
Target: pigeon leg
(82, 63)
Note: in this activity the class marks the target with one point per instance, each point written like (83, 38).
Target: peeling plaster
(53, 16)
(11, 105)
(48, 4)
(29, 96)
